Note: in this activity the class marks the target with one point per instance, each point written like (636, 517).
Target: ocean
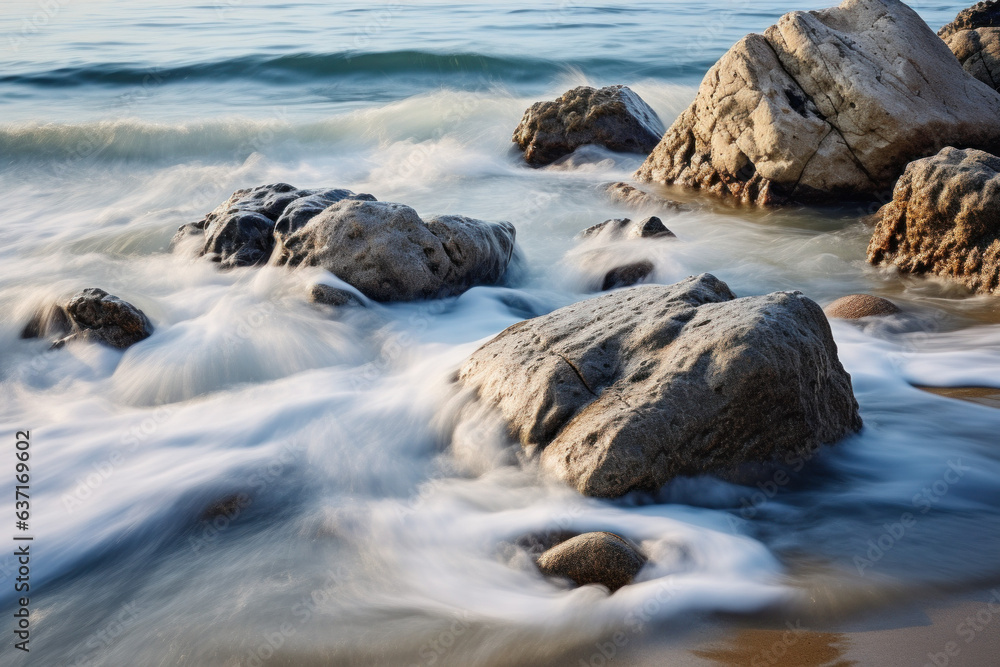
(365, 533)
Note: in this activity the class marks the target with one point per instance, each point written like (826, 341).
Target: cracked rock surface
(825, 105)
(974, 38)
(944, 219)
(628, 390)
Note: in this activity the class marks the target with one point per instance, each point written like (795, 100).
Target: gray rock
(627, 275)
(621, 229)
(328, 295)
(241, 231)
(825, 105)
(631, 389)
(613, 117)
(92, 315)
(388, 253)
(594, 558)
(944, 219)
(856, 306)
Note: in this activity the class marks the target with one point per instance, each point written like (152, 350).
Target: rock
(944, 219)
(332, 296)
(624, 228)
(388, 253)
(593, 558)
(613, 117)
(634, 198)
(228, 508)
(631, 389)
(856, 306)
(979, 53)
(979, 15)
(825, 105)
(241, 231)
(628, 275)
(92, 315)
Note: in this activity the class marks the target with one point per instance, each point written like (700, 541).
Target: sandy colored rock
(856, 306)
(980, 15)
(593, 558)
(634, 198)
(979, 53)
(825, 105)
(389, 253)
(613, 117)
(628, 390)
(92, 315)
(944, 219)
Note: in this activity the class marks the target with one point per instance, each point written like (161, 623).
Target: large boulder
(241, 231)
(613, 117)
(825, 105)
(389, 253)
(974, 38)
(630, 389)
(593, 558)
(944, 219)
(91, 315)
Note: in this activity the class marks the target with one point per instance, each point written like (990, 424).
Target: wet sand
(983, 395)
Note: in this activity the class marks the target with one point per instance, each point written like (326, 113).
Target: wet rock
(628, 390)
(628, 275)
(389, 253)
(229, 507)
(92, 315)
(613, 117)
(332, 296)
(633, 197)
(241, 231)
(944, 219)
(625, 228)
(856, 306)
(825, 105)
(594, 558)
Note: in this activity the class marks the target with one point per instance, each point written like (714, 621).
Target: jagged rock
(944, 219)
(974, 38)
(388, 253)
(979, 15)
(627, 275)
(630, 389)
(613, 117)
(634, 198)
(91, 315)
(825, 105)
(332, 296)
(241, 231)
(593, 558)
(856, 306)
(625, 228)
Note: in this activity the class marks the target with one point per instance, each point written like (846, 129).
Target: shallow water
(367, 535)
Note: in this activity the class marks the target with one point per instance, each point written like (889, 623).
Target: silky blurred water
(365, 534)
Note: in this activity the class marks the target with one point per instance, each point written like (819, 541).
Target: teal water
(369, 536)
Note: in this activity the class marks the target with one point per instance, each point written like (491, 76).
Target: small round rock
(856, 306)
(593, 558)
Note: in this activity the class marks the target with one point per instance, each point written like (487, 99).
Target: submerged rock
(389, 253)
(627, 275)
(631, 389)
(856, 306)
(944, 219)
(91, 315)
(241, 231)
(825, 105)
(613, 117)
(593, 558)
(633, 197)
(332, 296)
(625, 228)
